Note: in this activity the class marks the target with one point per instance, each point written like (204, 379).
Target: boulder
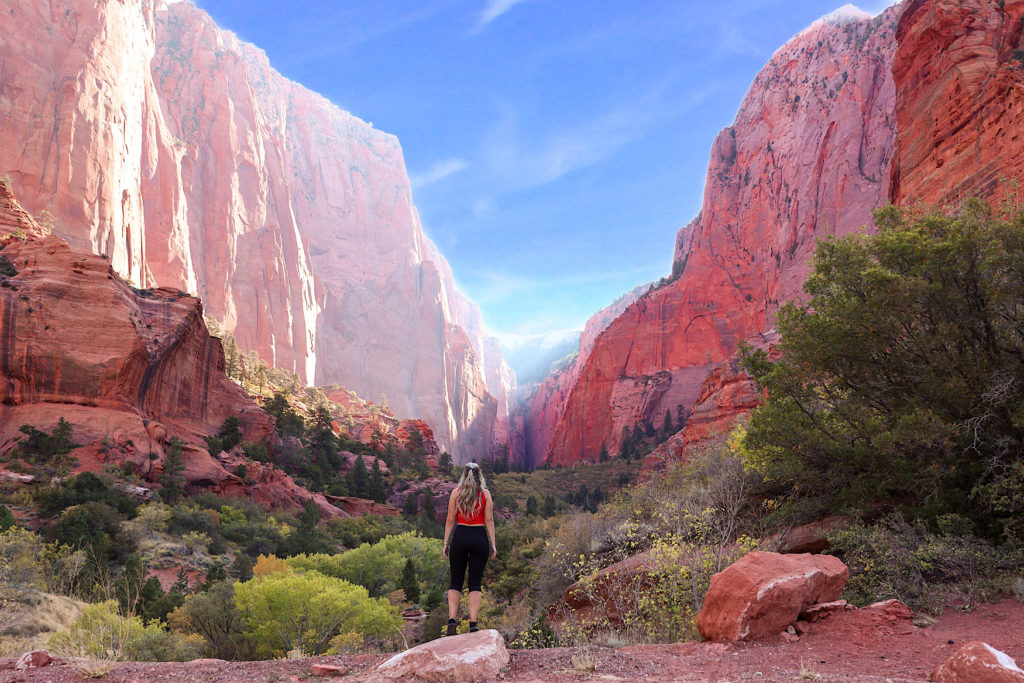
(978, 661)
(763, 593)
(36, 659)
(469, 657)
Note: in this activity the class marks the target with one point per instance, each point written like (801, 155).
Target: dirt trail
(849, 646)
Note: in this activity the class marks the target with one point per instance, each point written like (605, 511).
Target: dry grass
(90, 667)
(31, 618)
(584, 659)
(806, 672)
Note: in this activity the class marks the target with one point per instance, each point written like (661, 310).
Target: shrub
(352, 532)
(378, 567)
(100, 633)
(6, 267)
(923, 568)
(286, 611)
(214, 616)
(83, 488)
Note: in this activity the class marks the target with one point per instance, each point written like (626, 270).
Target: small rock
(823, 609)
(328, 670)
(978, 661)
(790, 630)
(33, 660)
(790, 637)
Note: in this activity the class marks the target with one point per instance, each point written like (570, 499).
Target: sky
(554, 146)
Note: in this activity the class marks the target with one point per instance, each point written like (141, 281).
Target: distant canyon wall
(165, 143)
(808, 156)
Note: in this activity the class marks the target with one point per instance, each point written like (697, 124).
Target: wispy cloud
(493, 10)
(439, 170)
(521, 159)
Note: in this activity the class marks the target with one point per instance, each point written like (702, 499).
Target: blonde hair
(471, 483)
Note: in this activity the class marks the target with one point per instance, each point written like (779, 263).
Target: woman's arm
(449, 523)
(489, 523)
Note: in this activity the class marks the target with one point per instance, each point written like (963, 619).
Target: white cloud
(439, 170)
(493, 10)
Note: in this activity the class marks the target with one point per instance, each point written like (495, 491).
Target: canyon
(150, 136)
(808, 156)
(922, 103)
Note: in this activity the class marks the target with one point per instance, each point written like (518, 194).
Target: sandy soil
(847, 646)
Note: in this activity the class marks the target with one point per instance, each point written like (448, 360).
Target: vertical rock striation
(173, 148)
(959, 73)
(808, 156)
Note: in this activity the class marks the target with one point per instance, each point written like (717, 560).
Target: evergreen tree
(410, 507)
(603, 457)
(531, 506)
(289, 422)
(680, 416)
(409, 583)
(428, 505)
(648, 428)
(377, 490)
(172, 479)
(549, 508)
(666, 427)
(230, 433)
(6, 518)
(358, 479)
(241, 568)
(444, 463)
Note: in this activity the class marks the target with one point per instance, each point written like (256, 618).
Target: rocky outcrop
(128, 368)
(959, 74)
(763, 593)
(174, 149)
(610, 594)
(978, 661)
(808, 156)
(470, 657)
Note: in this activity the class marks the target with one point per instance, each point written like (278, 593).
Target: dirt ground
(847, 646)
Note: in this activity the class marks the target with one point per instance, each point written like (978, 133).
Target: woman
(468, 533)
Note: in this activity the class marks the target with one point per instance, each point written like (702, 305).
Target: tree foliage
(901, 380)
(290, 610)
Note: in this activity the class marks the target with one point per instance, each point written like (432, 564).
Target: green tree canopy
(289, 610)
(901, 381)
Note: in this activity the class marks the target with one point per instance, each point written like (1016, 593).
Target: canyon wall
(959, 72)
(808, 156)
(155, 138)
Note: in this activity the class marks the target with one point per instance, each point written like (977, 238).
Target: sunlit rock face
(808, 156)
(959, 73)
(173, 148)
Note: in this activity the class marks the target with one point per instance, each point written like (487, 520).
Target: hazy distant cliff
(808, 155)
(165, 143)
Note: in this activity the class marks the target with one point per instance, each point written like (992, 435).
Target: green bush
(83, 488)
(378, 567)
(352, 532)
(288, 610)
(214, 615)
(922, 568)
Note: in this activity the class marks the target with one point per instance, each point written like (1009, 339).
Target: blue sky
(555, 146)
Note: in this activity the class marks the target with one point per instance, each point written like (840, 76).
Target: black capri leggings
(469, 546)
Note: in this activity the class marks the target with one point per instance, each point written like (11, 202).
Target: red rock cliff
(157, 139)
(959, 73)
(808, 156)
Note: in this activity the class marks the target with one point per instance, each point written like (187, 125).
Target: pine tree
(358, 478)
(428, 505)
(410, 506)
(409, 582)
(603, 457)
(377, 491)
(666, 427)
(680, 416)
(241, 568)
(531, 506)
(172, 479)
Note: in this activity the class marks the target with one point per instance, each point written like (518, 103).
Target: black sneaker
(452, 627)
(473, 628)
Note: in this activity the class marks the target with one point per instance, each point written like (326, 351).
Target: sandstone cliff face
(127, 368)
(959, 73)
(176, 150)
(808, 156)
(541, 410)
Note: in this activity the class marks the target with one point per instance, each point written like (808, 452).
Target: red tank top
(475, 518)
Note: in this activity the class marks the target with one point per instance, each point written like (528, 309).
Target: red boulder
(763, 593)
(978, 661)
